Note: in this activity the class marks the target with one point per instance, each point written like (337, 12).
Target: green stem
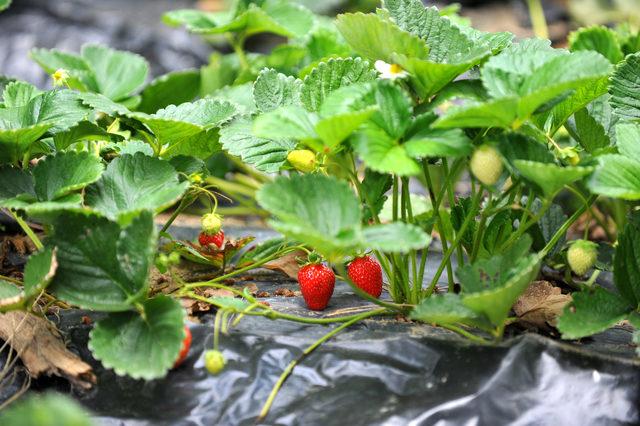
(461, 331)
(565, 226)
(480, 231)
(474, 206)
(452, 202)
(538, 21)
(287, 371)
(243, 269)
(237, 43)
(27, 230)
(443, 238)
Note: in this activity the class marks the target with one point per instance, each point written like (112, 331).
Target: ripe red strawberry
(316, 283)
(366, 273)
(186, 344)
(205, 239)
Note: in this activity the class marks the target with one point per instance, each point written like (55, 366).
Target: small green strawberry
(211, 223)
(582, 255)
(486, 164)
(303, 160)
(214, 361)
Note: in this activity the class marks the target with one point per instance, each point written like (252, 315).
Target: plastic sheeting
(379, 372)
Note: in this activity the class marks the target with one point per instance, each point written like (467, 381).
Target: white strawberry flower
(390, 71)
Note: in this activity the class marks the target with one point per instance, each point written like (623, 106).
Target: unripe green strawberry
(486, 164)
(211, 223)
(302, 159)
(213, 361)
(582, 255)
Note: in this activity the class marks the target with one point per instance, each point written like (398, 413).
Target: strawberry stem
(287, 371)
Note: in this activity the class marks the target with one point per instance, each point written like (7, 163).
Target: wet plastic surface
(379, 372)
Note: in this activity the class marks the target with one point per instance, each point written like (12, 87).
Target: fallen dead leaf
(263, 294)
(287, 264)
(282, 291)
(252, 288)
(540, 305)
(195, 306)
(42, 349)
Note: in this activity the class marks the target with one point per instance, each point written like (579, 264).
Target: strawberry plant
(404, 134)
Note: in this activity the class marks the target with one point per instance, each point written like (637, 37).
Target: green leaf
(382, 153)
(15, 142)
(117, 74)
(375, 38)
(584, 96)
(101, 264)
(39, 271)
(430, 77)
(266, 155)
(335, 129)
(396, 237)
(517, 146)
(133, 183)
(550, 177)
(506, 72)
(186, 129)
(141, 347)
(325, 213)
(272, 90)
(240, 96)
(4, 4)
(103, 104)
(592, 126)
(84, 130)
(625, 88)
(430, 143)
(329, 76)
(50, 409)
(373, 189)
(274, 16)
(58, 175)
(626, 262)
(315, 209)
(445, 41)
(600, 39)
(18, 93)
(442, 309)
(628, 139)
(495, 303)
(495, 113)
(616, 176)
(591, 313)
(286, 122)
(81, 76)
(395, 109)
(15, 182)
(173, 88)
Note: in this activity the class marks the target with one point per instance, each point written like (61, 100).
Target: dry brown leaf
(286, 264)
(252, 288)
(282, 291)
(195, 306)
(42, 349)
(541, 304)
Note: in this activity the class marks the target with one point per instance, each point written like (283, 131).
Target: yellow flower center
(395, 69)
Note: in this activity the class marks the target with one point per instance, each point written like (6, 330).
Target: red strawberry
(205, 239)
(316, 283)
(365, 272)
(186, 344)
